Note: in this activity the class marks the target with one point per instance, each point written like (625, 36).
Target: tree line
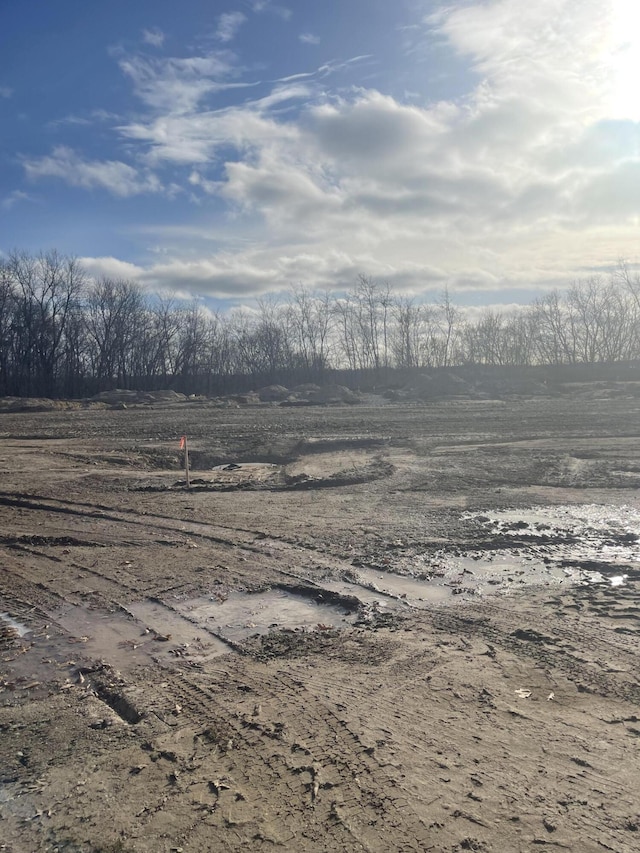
(65, 334)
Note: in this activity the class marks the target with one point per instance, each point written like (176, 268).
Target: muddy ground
(374, 627)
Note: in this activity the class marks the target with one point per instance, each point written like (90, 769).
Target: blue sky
(230, 149)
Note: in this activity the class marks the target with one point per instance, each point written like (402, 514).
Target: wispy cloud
(6, 91)
(228, 25)
(174, 84)
(325, 70)
(66, 121)
(195, 139)
(13, 198)
(116, 177)
(268, 6)
(153, 36)
(309, 38)
(94, 117)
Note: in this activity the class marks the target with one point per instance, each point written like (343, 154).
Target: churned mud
(363, 628)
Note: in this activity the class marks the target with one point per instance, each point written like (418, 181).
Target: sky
(228, 150)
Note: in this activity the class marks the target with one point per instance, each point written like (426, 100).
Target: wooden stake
(186, 462)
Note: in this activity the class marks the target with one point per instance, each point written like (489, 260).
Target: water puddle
(587, 544)
(548, 546)
(98, 634)
(195, 642)
(372, 586)
(241, 615)
(152, 632)
(618, 580)
(590, 529)
(13, 627)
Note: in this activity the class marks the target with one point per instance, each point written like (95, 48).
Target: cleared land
(372, 627)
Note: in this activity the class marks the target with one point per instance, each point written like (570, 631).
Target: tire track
(543, 648)
(347, 788)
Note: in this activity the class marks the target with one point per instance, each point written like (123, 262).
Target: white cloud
(114, 268)
(228, 25)
(153, 36)
(267, 6)
(545, 53)
(114, 176)
(287, 196)
(196, 137)
(309, 38)
(176, 84)
(6, 91)
(9, 201)
(520, 182)
(91, 118)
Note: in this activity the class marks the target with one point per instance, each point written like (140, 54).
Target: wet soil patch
(348, 477)
(251, 476)
(385, 588)
(67, 541)
(183, 637)
(111, 692)
(351, 646)
(144, 632)
(10, 628)
(322, 595)
(229, 477)
(272, 450)
(513, 550)
(235, 616)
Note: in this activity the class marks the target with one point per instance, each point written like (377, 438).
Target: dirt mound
(168, 395)
(305, 388)
(316, 395)
(121, 397)
(441, 385)
(434, 386)
(499, 388)
(334, 394)
(16, 405)
(273, 393)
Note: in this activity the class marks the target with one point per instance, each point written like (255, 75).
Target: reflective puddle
(164, 622)
(12, 627)
(559, 545)
(151, 632)
(618, 580)
(550, 546)
(240, 615)
(372, 586)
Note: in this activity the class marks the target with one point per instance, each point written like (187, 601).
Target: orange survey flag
(183, 441)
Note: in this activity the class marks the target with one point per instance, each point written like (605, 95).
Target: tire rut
(313, 741)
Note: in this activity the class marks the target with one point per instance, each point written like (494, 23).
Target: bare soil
(363, 628)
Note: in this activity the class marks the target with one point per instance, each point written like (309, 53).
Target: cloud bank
(531, 174)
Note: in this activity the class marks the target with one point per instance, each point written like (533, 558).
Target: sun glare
(625, 61)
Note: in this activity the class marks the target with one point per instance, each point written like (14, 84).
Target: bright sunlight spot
(625, 99)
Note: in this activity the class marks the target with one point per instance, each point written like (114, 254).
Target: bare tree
(309, 323)
(448, 320)
(8, 306)
(409, 331)
(113, 319)
(49, 287)
(553, 341)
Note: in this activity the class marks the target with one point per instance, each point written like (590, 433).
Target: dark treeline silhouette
(63, 334)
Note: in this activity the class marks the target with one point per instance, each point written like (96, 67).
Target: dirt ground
(363, 628)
